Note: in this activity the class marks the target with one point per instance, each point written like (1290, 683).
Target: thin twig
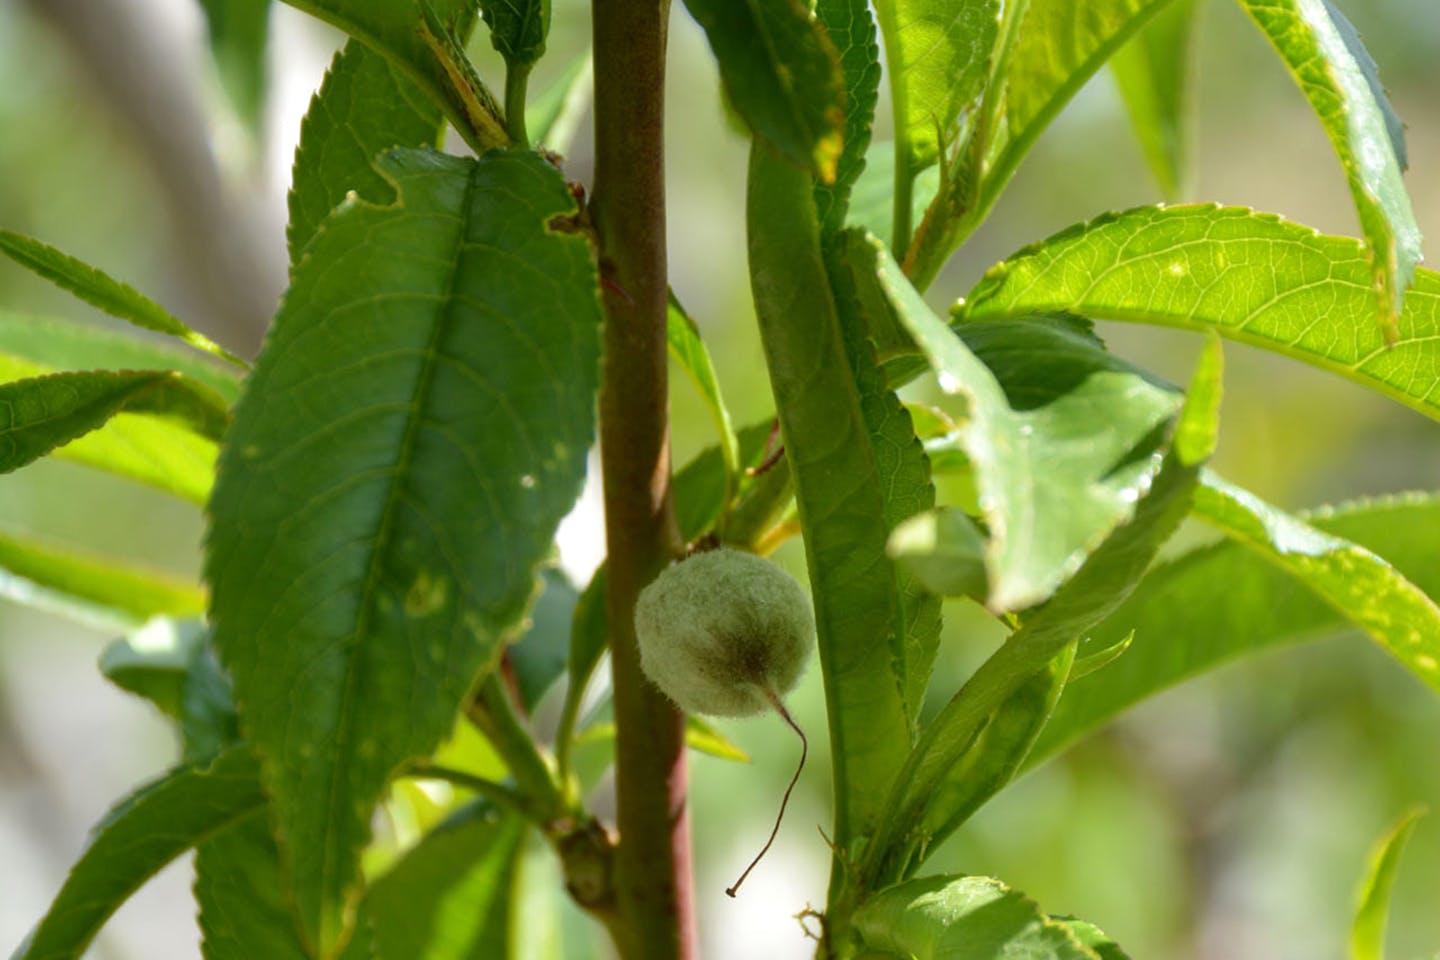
(804, 750)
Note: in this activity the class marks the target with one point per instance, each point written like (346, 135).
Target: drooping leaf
(416, 428)
(1253, 277)
(782, 74)
(977, 918)
(238, 32)
(553, 116)
(1337, 76)
(1226, 601)
(852, 30)
(1033, 416)
(102, 291)
(540, 655)
(518, 29)
(143, 833)
(364, 107)
(1372, 908)
(1155, 72)
(688, 350)
(94, 589)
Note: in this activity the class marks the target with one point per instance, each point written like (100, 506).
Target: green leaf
(1055, 474)
(838, 491)
(1337, 76)
(596, 743)
(944, 550)
(517, 29)
(363, 108)
(1362, 587)
(238, 31)
(426, 42)
(143, 833)
(1093, 937)
(539, 657)
(1367, 932)
(851, 29)
(871, 202)
(1253, 277)
(93, 589)
(1155, 72)
(977, 918)
(450, 897)
(416, 427)
(100, 290)
(688, 349)
(554, 116)
(1226, 601)
(782, 75)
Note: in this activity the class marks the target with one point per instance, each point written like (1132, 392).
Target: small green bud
(724, 633)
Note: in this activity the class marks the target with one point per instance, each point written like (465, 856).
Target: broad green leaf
(48, 344)
(238, 31)
(1226, 601)
(1155, 72)
(143, 833)
(540, 655)
(1093, 937)
(1253, 277)
(415, 430)
(1372, 909)
(938, 52)
(518, 29)
(954, 917)
(364, 107)
(554, 116)
(782, 74)
(450, 897)
(1329, 63)
(944, 550)
(1061, 436)
(94, 589)
(851, 29)
(102, 291)
(151, 451)
(838, 491)
(688, 349)
(1366, 590)
(425, 41)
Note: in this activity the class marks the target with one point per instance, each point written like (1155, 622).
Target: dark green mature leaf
(243, 913)
(146, 831)
(1061, 436)
(364, 107)
(91, 588)
(852, 29)
(1366, 590)
(238, 31)
(517, 29)
(102, 291)
(540, 655)
(952, 917)
(782, 75)
(425, 41)
(1253, 277)
(1367, 932)
(688, 349)
(554, 115)
(1320, 47)
(416, 427)
(1155, 71)
(1222, 602)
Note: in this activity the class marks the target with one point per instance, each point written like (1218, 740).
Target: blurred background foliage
(1226, 820)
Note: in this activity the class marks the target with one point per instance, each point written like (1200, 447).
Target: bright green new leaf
(1093, 937)
(1327, 60)
(554, 115)
(1372, 909)
(688, 350)
(364, 107)
(974, 918)
(540, 655)
(1251, 276)
(852, 29)
(238, 31)
(143, 833)
(518, 29)
(782, 74)
(104, 292)
(944, 550)
(1219, 603)
(93, 589)
(415, 429)
(1155, 72)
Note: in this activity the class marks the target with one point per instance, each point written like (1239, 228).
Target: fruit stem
(779, 706)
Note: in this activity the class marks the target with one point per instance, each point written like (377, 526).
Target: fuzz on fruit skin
(722, 631)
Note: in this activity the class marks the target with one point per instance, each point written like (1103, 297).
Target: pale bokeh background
(1225, 821)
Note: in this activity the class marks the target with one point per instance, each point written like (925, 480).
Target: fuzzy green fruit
(724, 633)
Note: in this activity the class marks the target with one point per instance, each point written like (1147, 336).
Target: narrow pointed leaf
(145, 832)
(782, 74)
(1220, 603)
(688, 349)
(1367, 932)
(553, 116)
(364, 107)
(238, 32)
(417, 426)
(1337, 76)
(852, 30)
(102, 291)
(1252, 277)
(1155, 72)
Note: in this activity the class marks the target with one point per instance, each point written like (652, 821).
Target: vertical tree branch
(653, 860)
